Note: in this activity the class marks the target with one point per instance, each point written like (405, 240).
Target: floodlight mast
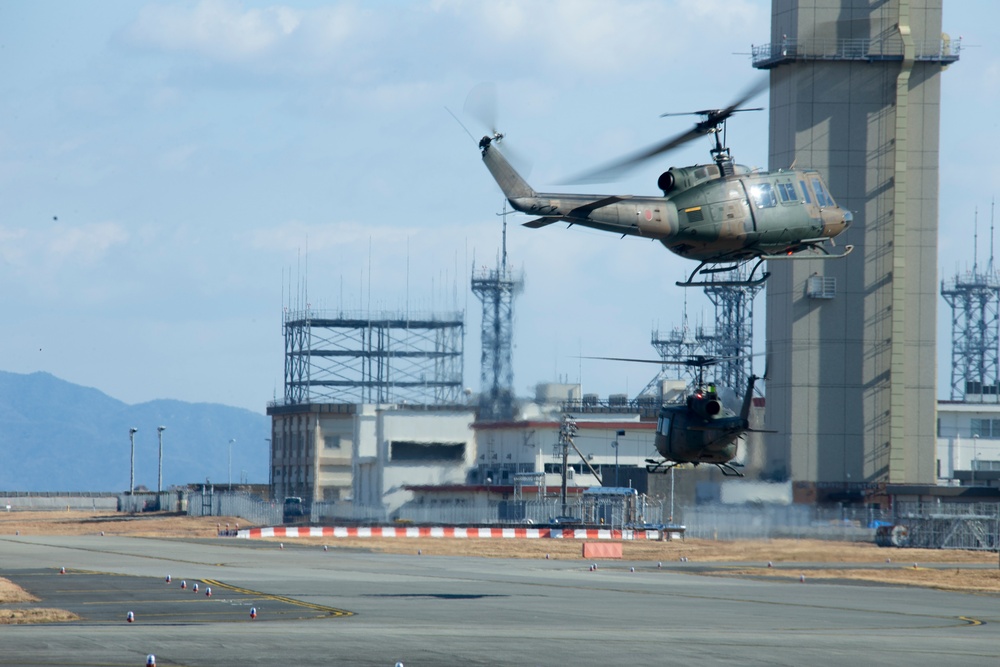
(131, 469)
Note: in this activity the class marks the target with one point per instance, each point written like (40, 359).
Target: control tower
(855, 91)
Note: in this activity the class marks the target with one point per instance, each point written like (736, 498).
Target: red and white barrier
(450, 532)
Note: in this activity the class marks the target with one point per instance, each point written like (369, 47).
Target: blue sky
(167, 169)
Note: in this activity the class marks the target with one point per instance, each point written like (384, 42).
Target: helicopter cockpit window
(663, 426)
(763, 195)
(787, 192)
(805, 192)
(822, 198)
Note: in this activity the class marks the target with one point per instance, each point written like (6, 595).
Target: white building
(380, 456)
(367, 453)
(968, 444)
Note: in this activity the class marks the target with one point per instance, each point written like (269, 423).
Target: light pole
(671, 495)
(975, 457)
(231, 441)
(159, 470)
(131, 468)
(615, 445)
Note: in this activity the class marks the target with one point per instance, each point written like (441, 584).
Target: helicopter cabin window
(763, 195)
(805, 192)
(822, 198)
(787, 193)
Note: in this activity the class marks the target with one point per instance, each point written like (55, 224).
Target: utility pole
(566, 432)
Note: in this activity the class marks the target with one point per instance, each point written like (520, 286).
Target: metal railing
(866, 49)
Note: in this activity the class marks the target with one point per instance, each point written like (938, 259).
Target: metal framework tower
(974, 297)
(496, 288)
(733, 339)
(387, 358)
(679, 344)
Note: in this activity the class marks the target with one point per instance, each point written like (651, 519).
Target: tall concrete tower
(855, 92)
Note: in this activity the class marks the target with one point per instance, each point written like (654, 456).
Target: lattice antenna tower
(496, 289)
(733, 339)
(974, 298)
(678, 344)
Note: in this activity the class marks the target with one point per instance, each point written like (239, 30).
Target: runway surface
(351, 607)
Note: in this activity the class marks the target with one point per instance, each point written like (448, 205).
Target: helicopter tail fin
(748, 401)
(513, 186)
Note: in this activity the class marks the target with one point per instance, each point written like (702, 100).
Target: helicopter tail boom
(513, 186)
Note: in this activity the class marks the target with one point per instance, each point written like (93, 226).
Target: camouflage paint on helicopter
(720, 214)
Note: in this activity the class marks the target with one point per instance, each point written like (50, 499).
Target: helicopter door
(663, 429)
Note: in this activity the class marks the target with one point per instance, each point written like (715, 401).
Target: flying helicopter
(722, 214)
(702, 429)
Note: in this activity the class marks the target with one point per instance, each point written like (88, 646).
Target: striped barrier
(450, 532)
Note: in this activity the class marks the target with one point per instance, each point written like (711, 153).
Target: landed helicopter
(723, 215)
(703, 429)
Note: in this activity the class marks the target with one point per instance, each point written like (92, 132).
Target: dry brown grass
(12, 593)
(35, 615)
(777, 551)
(152, 524)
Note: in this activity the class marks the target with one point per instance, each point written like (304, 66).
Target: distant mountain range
(58, 436)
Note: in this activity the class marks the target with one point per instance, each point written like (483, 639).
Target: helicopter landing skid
(823, 254)
(660, 467)
(728, 470)
(664, 466)
(749, 281)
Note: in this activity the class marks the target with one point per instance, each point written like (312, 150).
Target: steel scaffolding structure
(974, 526)
(363, 358)
(496, 288)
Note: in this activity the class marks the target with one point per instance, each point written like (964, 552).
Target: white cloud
(87, 245)
(219, 29)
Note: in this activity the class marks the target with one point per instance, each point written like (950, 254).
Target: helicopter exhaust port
(666, 182)
(707, 408)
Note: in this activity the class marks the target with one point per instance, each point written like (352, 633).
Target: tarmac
(354, 607)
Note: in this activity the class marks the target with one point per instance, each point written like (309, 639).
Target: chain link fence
(761, 522)
(255, 510)
(14, 501)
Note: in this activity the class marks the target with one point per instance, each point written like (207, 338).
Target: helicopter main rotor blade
(697, 361)
(614, 170)
(713, 118)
